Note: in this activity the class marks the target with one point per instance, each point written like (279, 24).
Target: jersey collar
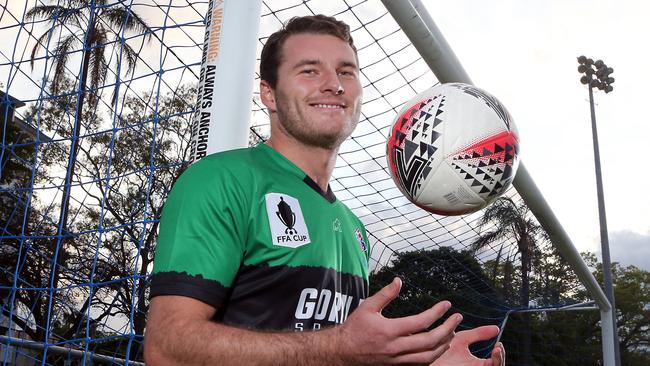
(329, 195)
(288, 164)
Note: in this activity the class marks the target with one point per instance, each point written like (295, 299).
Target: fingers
(419, 322)
(498, 355)
(431, 340)
(478, 334)
(427, 347)
(423, 357)
(383, 297)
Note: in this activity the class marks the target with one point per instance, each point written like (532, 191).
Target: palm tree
(514, 220)
(92, 27)
(506, 269)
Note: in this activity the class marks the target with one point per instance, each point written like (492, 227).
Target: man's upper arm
(168, 316)
(165, 308)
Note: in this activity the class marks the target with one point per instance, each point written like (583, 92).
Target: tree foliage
(556, 338)
(573, 338)
(126, 171)
(51, 253)
(144, 159)
(510, 219)
(91, 27)
(632, 297)
(430, 276)
(94, 27)
(16, 160)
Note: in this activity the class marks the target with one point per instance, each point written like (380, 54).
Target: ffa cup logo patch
(287, 224)
(362, 242)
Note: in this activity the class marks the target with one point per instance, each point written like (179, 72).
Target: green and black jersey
(249, 233)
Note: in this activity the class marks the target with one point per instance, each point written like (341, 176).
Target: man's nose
(331, 83)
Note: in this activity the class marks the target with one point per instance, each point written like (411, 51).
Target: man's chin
(323, 141)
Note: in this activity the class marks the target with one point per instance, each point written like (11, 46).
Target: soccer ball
(453, 149)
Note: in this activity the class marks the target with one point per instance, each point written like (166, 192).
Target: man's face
(318, 94)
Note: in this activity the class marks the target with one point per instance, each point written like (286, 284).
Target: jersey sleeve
(202, 236)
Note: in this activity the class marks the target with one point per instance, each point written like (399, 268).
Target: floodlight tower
(597, 75)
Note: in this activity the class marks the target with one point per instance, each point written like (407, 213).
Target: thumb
(383, 297)
(478, 334)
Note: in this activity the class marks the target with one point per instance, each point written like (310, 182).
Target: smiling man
(259, 263)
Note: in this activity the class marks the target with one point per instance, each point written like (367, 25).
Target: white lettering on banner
(202, 116)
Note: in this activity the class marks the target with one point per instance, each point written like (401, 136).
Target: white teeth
(331, 106)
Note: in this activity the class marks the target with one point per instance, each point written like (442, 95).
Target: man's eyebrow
(349, 64)
(305, 62)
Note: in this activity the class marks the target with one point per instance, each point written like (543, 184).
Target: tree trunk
(507, 279)
(139, 318)
(62, 227)
(78, 319)
(524, 295)
(495, 269)
(142, 307)
(524, 300)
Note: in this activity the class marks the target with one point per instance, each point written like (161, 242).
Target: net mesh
(89, 155)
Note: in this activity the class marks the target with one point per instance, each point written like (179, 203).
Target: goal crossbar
(66, 351)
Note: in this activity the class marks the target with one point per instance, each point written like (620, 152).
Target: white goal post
(221, 117)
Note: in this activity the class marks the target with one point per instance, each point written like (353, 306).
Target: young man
(255, 251)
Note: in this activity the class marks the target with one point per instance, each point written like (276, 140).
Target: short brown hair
(315, 24)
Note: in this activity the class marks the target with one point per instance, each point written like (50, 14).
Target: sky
(525, 53)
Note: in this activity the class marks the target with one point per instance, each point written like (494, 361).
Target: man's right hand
(180, 331)
(367, 337)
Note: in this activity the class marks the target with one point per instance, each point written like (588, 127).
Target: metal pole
(604, 237)
(65, 351)
(419, 27)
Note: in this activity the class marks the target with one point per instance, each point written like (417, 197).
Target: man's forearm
(180, 332)
(210, 343)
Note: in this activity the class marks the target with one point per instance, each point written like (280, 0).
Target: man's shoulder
(229, 158)
(226, 168)
(228, 162)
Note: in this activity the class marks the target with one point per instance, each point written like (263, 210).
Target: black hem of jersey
(329, 195)
(183, 284)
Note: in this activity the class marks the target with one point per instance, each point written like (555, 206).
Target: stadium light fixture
(597, 75)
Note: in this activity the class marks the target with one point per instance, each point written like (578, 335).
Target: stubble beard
(298, 127)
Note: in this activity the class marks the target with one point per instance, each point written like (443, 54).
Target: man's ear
(267, 94)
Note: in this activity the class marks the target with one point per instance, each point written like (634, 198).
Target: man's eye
(308, 71)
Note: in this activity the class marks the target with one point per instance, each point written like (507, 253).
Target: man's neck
(316, 162)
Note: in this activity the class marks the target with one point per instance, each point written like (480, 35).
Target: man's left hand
(458, 353)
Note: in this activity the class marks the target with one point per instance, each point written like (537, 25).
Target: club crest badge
(362, 243)
(336, 225)
(287, 224)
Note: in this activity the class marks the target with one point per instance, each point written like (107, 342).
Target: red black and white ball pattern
(453, 149)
